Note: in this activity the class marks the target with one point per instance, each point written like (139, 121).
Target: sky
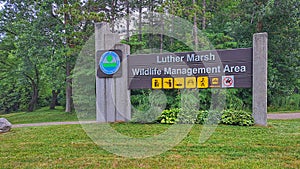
(1, 5)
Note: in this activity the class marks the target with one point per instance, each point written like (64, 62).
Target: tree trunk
(127, 20)
(195, 28)
(35, 90)
(172, 21)
(162, 34)
(69, 100)
(34, 98)
(113, 8)
(151, 20)
(54, 99)
(204, 17)
(140, 20)
(259, 26)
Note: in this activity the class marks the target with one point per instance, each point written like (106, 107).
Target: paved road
(269, 116)
(284, 116)
(51, 123)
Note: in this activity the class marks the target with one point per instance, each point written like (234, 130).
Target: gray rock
(5, 125)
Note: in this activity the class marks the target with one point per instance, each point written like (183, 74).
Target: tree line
(41, 40)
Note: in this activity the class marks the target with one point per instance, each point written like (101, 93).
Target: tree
(23, 22)
(48, 35)
(10, 85)
(78, 19)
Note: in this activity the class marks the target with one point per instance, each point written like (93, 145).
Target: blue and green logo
(109, 63)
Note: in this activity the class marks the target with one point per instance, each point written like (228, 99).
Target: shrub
(202, 117)
(228, 117)
(237, 117)
(177, 115)
(169, 116)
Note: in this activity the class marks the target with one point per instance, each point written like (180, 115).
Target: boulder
(5, 125)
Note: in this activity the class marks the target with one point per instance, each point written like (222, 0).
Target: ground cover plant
(68, 146)
(230, 117)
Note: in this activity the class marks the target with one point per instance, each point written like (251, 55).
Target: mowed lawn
(40, 115)
(68, 146)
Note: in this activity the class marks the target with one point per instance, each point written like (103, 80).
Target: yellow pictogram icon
(190, 82)
(156, 83)
(168, 83)
(202, 82)
(179, 83)
(215, 81)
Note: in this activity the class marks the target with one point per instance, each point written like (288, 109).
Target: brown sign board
(203, 69)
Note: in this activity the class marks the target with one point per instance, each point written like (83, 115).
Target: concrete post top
(261, 34)
(102, 25)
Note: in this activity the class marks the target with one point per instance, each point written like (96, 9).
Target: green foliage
(189, 104)
(84, 82)
(291, 102)
(41, 39)
(228, 117)
(202, 116)
(222, 41)
(149, 107)
(169, 116)
(239, 99)
(237, 117)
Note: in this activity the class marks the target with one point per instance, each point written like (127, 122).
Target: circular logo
(109, 62)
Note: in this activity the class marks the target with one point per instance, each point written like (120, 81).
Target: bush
(180, 116)
(237, 117)
(228, 117)
(202, 117)
(169, 116)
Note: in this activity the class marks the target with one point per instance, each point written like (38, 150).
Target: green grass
(280, 112)
(68, 146)
(41, 115)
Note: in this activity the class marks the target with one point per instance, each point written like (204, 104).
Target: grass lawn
(41, 115)
(280, 112)
(68, 146)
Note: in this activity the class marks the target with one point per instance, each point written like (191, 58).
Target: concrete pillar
(112, 95)
(260, 63)
(123, 104)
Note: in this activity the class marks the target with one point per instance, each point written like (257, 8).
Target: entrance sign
(236, 63)
(237, 68)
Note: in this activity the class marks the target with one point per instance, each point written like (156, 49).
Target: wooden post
(260, 63)
(112, 94)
